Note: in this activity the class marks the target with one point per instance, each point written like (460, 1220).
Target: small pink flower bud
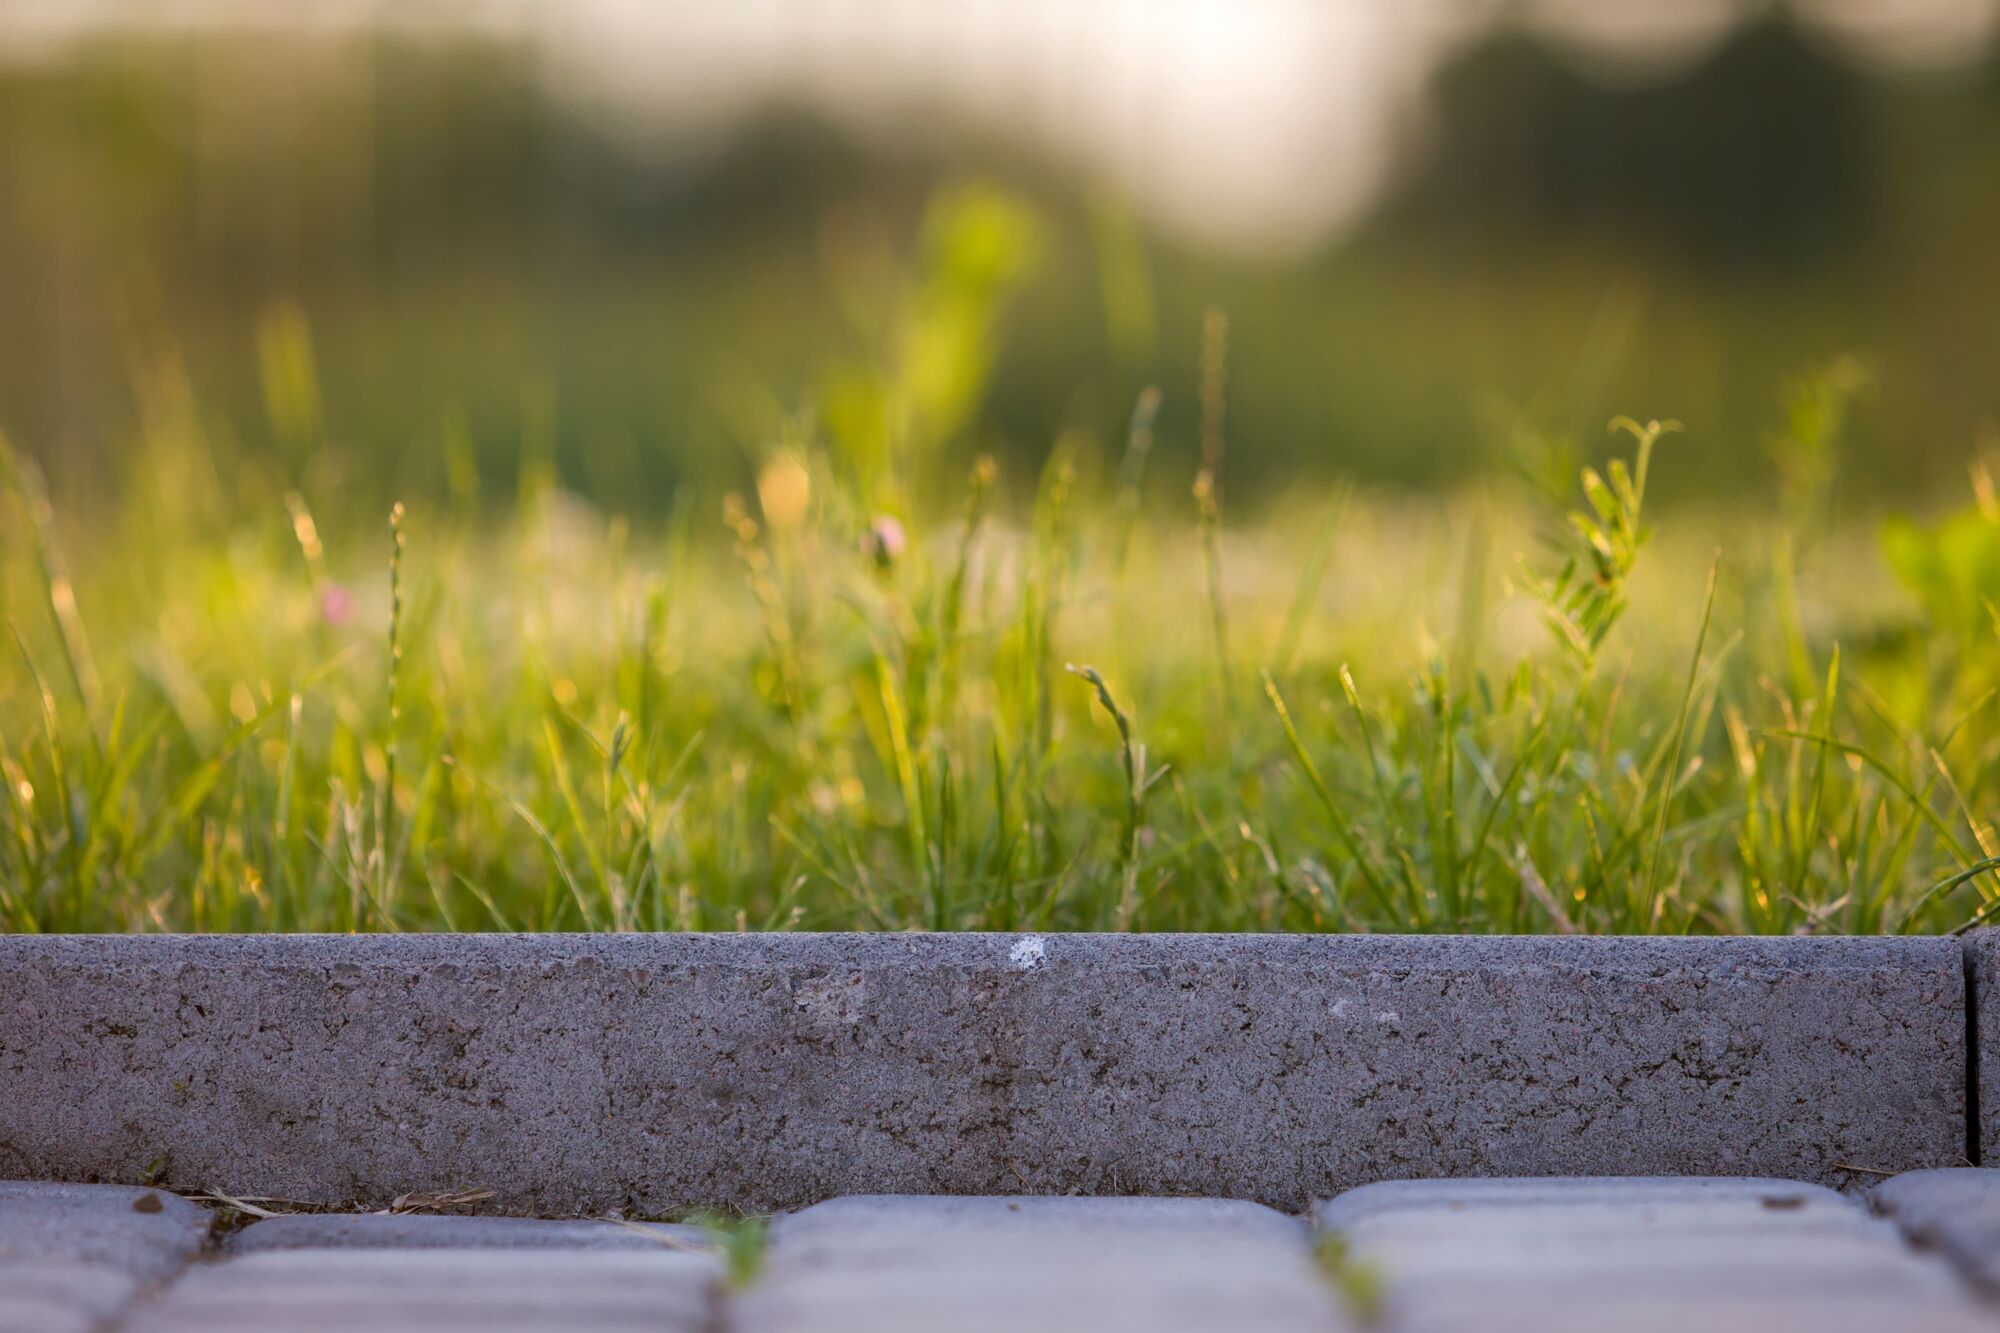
(336, 604)
(884, 541)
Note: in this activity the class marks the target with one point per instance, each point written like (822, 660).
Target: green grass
(887, 688)
(801, 718)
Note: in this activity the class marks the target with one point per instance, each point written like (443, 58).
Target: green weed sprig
(1585, 598)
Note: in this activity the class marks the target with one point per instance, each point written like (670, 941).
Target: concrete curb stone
(578, 1075)
(1982, 963)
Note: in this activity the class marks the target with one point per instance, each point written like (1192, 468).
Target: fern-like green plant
(1582, 602)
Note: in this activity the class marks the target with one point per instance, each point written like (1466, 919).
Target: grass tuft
(836, 710)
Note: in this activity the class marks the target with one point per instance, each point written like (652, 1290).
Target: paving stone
(1956, 1212)
(1545, 1256)
(432, 1231)
(148, 1233)
(884, 1264)
(58, 1296)
(347, 1290)
(73, 1256)
(653, 1072)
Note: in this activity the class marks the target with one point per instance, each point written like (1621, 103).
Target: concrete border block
(1982, 974)
(577, 1074)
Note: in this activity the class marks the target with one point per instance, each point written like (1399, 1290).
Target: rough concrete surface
(1723, 1256)
(1954, 1212)
(72, 1257)
(998, 1265)
(1982, 962)
(580, 1074)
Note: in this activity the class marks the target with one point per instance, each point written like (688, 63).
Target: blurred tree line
(477, 262)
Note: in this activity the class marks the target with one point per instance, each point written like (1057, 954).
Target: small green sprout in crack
(1361, 1284)
(740, 1241)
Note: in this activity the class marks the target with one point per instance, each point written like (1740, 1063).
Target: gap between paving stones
(579, 1075)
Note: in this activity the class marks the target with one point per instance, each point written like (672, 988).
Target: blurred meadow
(1279, 467)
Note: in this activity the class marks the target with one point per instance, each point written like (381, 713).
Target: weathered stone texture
(581, 1074)
(1982, 963)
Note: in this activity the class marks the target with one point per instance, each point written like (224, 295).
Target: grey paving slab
(1955, 1212)
(577, 1075)
(349, 1290)
(432, 1231)
(73, 1256)
(56, 1296)
(880, 1264)
(1546, 1256)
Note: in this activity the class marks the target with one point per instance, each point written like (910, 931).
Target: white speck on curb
(1028, 954)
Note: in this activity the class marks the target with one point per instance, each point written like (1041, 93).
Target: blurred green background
(485, 267)
(878, 285)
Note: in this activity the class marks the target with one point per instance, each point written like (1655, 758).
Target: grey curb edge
(578, 1074)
